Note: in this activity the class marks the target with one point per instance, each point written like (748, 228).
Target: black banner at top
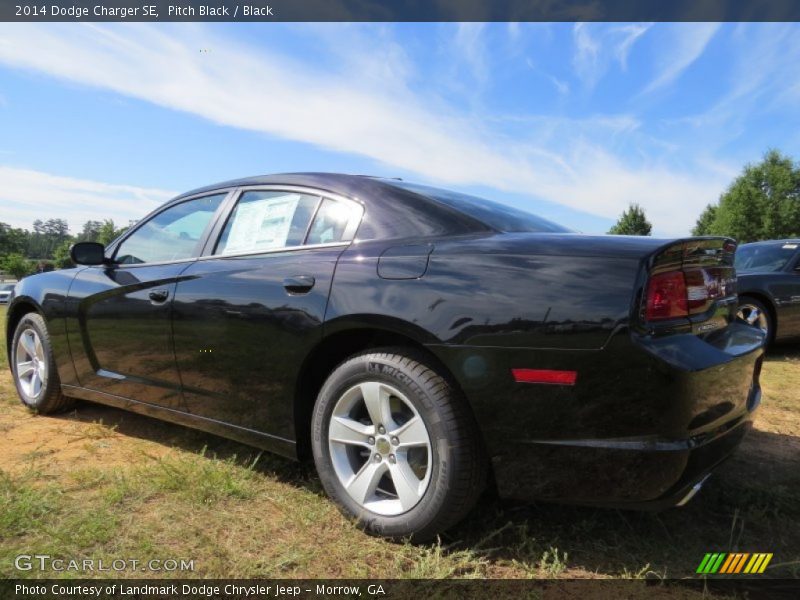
(399, 10)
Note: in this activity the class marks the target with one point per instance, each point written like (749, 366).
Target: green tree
(705, 221)
(632, 222)
(16, 265)
(61, 256)
(90, 232)
(762, 203)
(12, 240)
(108, 232)
(46, 237)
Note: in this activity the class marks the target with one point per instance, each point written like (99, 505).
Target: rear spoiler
(694, 252)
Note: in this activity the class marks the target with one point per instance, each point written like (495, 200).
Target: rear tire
(754, 312)
(396, 447)
(34, 368)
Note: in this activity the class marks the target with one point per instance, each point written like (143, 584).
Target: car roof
(357, 187)
(391, 212)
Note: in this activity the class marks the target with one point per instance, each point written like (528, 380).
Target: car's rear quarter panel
(483, 309)
(476, 293)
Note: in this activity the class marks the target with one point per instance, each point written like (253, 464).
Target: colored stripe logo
(734, 563)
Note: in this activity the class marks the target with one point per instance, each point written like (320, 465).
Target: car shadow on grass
(783, 351)
(751, 504)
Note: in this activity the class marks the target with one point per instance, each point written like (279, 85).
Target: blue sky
(570, 121)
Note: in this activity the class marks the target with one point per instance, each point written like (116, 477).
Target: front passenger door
(122, 337)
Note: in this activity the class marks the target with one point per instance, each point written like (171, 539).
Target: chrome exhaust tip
(693, 492)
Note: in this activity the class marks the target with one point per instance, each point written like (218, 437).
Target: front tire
(34, 368)
(396, 447)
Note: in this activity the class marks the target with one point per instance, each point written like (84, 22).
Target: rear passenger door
(247, 313)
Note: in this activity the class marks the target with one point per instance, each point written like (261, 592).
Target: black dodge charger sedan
(417, 343)
(769, 287)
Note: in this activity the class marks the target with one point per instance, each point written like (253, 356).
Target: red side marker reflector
(544, 376)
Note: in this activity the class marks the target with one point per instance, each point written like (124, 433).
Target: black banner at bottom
(418, 589)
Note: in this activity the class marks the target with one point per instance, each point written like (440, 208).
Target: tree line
(762, 203)
(46, 246)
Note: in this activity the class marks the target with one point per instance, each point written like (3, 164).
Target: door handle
(158, 296)
(299, 284)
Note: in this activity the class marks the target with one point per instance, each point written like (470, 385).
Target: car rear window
(500, 217)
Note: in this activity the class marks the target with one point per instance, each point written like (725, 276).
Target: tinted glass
(331, 223)
(173, 234)
(497, 216)
(764, 257)
(6, 287)
(266, 221)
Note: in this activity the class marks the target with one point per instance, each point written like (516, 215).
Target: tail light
(666, 296)
(677, 294)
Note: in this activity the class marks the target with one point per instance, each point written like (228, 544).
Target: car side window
(267, 220)
(334, 222)
(172, 234)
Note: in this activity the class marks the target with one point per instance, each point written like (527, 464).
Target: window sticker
(262, 224)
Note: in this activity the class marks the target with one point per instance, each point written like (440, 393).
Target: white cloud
(27, 195)
(765, 69)
(684, 45)
(469, 47)
(630, 33)
(251, 88)
(587, 55)
(762, 69)
(598, 45)
(672, 200)
(562, 87)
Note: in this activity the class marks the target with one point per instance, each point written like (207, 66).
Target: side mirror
(88, 253)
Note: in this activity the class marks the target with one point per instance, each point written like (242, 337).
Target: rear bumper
(653, 476)
(645, 423)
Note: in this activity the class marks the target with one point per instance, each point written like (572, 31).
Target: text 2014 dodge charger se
(412, 340)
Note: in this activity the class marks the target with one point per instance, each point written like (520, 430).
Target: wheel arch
(333, 350)
(18, 309)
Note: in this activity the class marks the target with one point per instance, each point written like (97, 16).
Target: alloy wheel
(753, 315)
(380, 448)
(31, 364)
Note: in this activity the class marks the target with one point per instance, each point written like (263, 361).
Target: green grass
(101, 483)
